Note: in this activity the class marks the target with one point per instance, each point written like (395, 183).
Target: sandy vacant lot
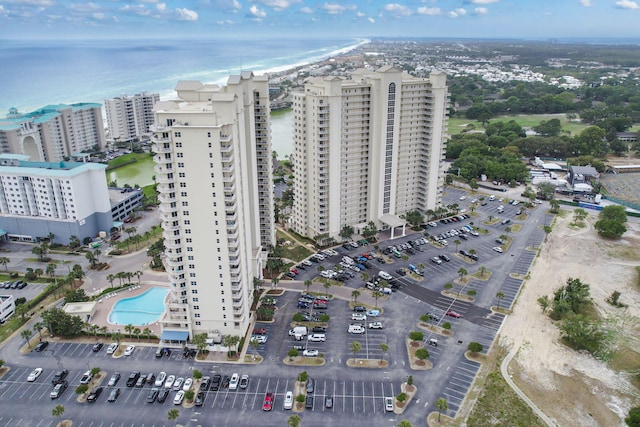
(570, 387)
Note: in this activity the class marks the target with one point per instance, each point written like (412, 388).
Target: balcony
(168, 226)
(161, 159)
(164, 147)
(233, 217)
(167, 209)
(172, 263)
(169, 243)
(225, 138)
(166, 197)
(226, 158)
(236, 287)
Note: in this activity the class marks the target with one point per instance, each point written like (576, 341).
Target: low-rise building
(7, 307)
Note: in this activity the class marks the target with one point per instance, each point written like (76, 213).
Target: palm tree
(138, 273)
(483, 270)
(457, 242)
(117, 337)
(365, 276)
(57, 411)
(499, 295)
(128, 328)
(38, 272)
(441, 405)
(91, 257)
(308, 284)
(93, 329)
(37, 327)
(376, 295)
(462, 272)
(355, 347)
(26, 334)
(110, 279)
(274, 282)
(4, 261)
(51, 269)
(173, 414)
(294, 421)
(147, 333)
(384, 347)
(326, 286)
(547, 229)
(507, 230)
(136, 332)
(355, 294)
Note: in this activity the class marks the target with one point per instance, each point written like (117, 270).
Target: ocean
(38, 73)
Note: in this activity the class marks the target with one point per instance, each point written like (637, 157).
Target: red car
(268, 402)
(453, 314)
(259, 331)
(294, 271)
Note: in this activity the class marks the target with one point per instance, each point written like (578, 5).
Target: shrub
(416, 336)
(401, 397)
(422, 353)
(300, 398)
(303, 377)
(82, 388)
(410, 380)
(474, 347)
(446, 325)
(424, 318)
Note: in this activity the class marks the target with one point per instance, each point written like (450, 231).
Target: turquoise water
(140, 310)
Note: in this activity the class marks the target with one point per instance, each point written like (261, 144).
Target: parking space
(458, 384)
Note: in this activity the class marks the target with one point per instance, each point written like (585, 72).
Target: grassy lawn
(127, 158)
(456, 125)
(296, 253)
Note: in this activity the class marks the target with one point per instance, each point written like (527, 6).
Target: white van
(492, 198)
(356, 329)
(500, 209)
(233, 384)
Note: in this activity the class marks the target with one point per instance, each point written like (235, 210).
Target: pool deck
(104, 306)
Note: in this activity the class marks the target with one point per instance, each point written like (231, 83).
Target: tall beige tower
(368, 148)
(213, 169)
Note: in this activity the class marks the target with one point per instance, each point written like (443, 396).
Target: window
(196, 315)
(183, 194)
(195, 299)
(177, 134)
(179, 145)
(185, 213)
(194, 291)
(188, 239)
(179, 155)
(181, 174)
(185, 203)
(183, 185)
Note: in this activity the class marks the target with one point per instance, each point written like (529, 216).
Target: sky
(537, 19)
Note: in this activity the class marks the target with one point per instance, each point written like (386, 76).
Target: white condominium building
(130, 117)
(53, 133)
(368, 148)
(63, 198)
(213, 169)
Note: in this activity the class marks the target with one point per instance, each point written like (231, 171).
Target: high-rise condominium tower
(213, 169)
(368, 148)
(130, 117)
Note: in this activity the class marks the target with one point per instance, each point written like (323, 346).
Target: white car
(34, 375)
(288, 400)
(497, 249)
(177, 384)
(316, 337)
(261, 339)
(169, 382)
(388, 404)
(187, 384)
(310, 353)
(358, 316)
(112, 348)
(179, 398)
(160, 379)
(375, 325)
(462, 197)
(129, 350)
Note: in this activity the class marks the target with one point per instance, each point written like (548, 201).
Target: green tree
(200, 341)
(292, 353)
(173, 414)
(189, 395)
(51, 269)
(293, 421)
(326, 287)
(4, 261)
(401, 397)
(547, 230)
(583, 334)
(579, 215)
(355, 294)
(82, 388)
(457, 242)
(555, 206)
(346, 232)
(416, 336)
(462, 272)
(422, 353)
(474, 347)
(544, 303)
(376, 294)
(197, 374)
(384, 348)
(499, 295)
(441, 405)
(60, 323)
(415, 218)
(307, 284)
(26, 335)
(58, 411)
(355, 347)
(405, 423)
(633, 420)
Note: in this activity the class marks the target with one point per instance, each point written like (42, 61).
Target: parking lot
(357, 393)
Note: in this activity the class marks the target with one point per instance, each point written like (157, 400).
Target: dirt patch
(552, 374)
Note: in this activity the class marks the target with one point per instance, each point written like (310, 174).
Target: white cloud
(457, 13)
(138, 9)
(225, 22)
(44, 3)
(397, 10)
(373, 21)
(99, 16)
(306, 10)
(279, 4)
(115, 19)
(627, 4)
(185, 14)
(481, 10)
(84, 7)
(585, 3)
(161, 7)
(430, 11)
(483, 1)
(256, 12)
(360, 14)
(334, 8)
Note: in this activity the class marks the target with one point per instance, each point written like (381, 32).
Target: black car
(59, 376)
(23, 285)
(206, 382)
(444, 258)
(215, 382)
(113, 396)
(133, 379)
(97, 347)
(301, 267)
(41, 346)
(200, 398)
(319, 329)
(360, 309)
(153, 395)
(299, 347)
(225, 381)
(309, 402)
(95, 393)
(162, 395)
(473, 257)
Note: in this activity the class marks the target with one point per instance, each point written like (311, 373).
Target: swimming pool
(140, 310)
